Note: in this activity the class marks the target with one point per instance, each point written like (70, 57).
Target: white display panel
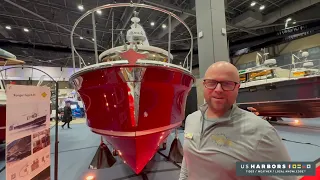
(27, 132)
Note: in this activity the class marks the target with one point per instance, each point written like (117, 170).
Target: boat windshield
(243, 78)
(257, 75)
(151, 55)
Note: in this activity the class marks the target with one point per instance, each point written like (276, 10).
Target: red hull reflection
(2, 123)
(135, 120)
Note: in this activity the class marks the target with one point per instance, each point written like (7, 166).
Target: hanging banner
(248, 45)
(27, 132)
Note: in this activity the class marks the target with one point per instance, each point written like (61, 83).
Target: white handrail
(1, 85)
(41, 80)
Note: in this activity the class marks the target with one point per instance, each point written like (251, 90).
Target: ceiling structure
(38, 31)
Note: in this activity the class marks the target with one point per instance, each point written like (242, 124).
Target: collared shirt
(213, 146)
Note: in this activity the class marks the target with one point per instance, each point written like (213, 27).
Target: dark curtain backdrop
(192, 102)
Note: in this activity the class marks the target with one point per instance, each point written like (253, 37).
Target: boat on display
(305, 67)
(31, 121)
(134, 96)
(76, 103)
(6, 59)
(291, 91)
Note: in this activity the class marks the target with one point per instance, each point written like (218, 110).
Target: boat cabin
(152, 53)
(269, 74)
(257, 74)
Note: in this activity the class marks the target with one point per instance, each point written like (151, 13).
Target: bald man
(220, 134)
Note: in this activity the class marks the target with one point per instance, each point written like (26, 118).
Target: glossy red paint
(316, 177)
(2, 123)
(139, 150)
(110, 108)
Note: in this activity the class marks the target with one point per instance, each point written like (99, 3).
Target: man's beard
(218, 107)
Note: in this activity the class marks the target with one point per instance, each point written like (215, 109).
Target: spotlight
(294, 22)
(80, 7)
(262, 7)
(92, 39)
(25, 30)
(164, 26)
(8, 27)
(81, 37)
(90, 178)
(99, 11)
(253, 3)
(152, 23)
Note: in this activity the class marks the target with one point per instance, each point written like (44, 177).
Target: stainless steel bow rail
(187, 65)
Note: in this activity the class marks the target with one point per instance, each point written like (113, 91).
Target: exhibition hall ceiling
(38, 31)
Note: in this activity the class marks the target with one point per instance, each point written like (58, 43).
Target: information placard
(27, 132)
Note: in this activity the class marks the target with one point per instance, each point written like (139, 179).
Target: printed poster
(28, 132)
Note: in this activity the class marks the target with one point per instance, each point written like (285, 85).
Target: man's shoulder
(195, 114)
(193, 117)
(252, 121)
(264, 137)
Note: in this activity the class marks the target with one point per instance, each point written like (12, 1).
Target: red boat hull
(134, 119)
(2, 123)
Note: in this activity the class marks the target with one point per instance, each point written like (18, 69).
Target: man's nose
(218, 88)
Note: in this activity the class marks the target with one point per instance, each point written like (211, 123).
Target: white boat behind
(291, 91)
(266, 71)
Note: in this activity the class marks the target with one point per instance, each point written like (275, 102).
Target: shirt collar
(227, 116)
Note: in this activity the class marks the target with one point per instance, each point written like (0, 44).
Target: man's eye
(227, 84)
(211, 83)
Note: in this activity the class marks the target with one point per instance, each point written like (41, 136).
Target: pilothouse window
(260, 75)
(243, 78)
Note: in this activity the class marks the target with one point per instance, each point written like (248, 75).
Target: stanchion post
(169, 39)
(56, 134)
(95, 38)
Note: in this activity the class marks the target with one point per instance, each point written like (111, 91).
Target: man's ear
(238, 86)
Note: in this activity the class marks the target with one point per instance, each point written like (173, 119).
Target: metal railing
(282, 73)
(186, 64)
